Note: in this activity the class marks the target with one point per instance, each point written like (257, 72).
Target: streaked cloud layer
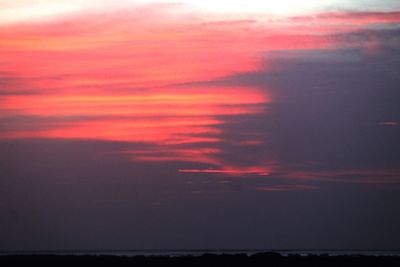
(199, 124)
(45, 10)
(139, 74)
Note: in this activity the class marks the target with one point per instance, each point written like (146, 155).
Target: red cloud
(126, 77)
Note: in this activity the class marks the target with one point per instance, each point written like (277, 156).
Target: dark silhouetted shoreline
(207, 259)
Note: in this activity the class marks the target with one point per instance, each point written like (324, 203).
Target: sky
(199, 124)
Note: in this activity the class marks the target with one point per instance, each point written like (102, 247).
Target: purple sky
(183, 126)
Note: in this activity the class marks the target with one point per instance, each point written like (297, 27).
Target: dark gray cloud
(335, 115)
(77, 195)
(330, 106)
(326, 119)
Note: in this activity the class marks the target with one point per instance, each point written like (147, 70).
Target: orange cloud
(126, 77)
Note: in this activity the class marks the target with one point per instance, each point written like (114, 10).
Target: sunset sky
(199, 124)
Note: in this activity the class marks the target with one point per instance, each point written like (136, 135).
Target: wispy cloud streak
(135, 76)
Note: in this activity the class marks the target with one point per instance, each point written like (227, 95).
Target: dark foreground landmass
(259, 259)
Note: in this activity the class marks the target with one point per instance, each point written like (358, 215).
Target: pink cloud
(284, 188)
(123, 76)
(388, 123)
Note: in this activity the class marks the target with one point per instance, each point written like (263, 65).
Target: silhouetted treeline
(207, 260)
